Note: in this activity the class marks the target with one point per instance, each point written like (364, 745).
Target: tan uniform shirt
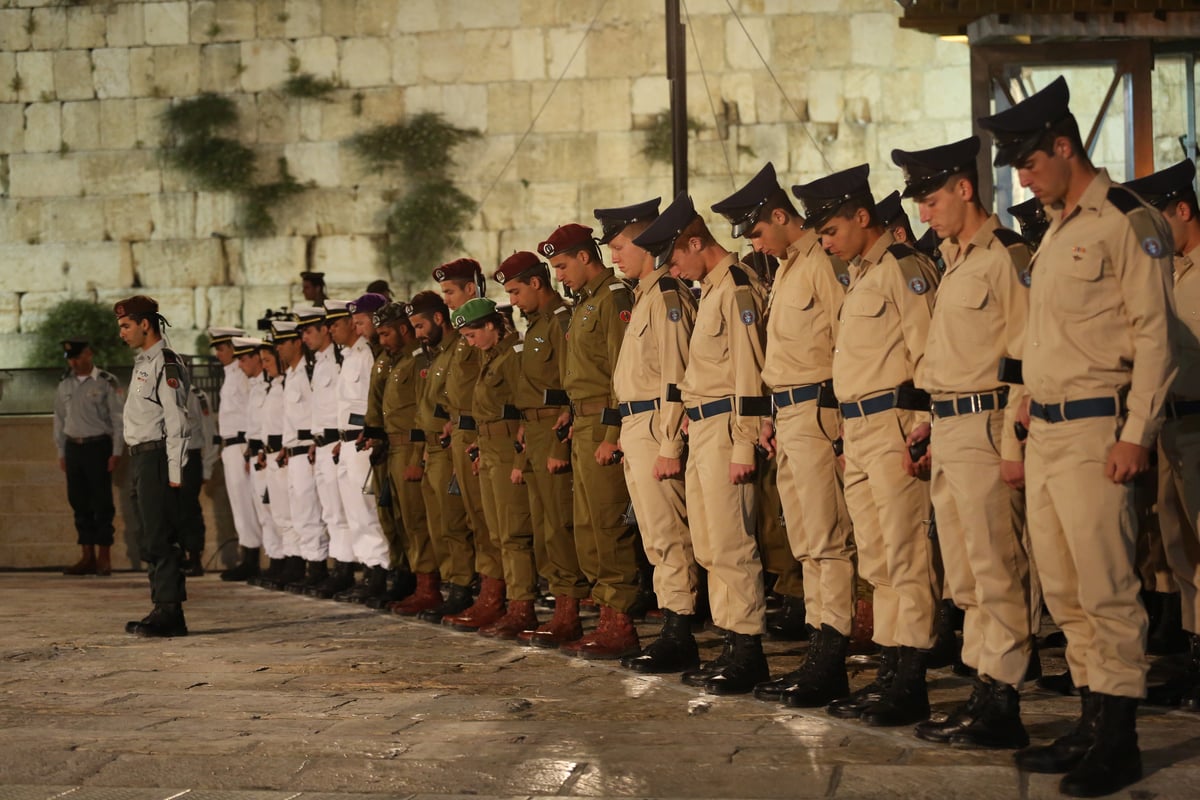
(884, 322)
(802, 317)
(654, 353)
(401, 394)
(979, 316)
(1098, 310)
(594, 340)
(727, 350)
(1187, 325)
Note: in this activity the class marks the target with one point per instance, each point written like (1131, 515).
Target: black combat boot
(773, 690)
(247, 568)
(315, 574)
(907, 699)
(1113, 761)
(293, 572)
(673, 651)
(339, 580)
(947, 647)
(166, 620)
(376, 580)
(1191, 697)
(788, 623)
(401, 584)
(696, 677)
(851, 706)
(1065, 752)
(458, 599)
(269, 578)
(355, 592)
(827, 680)
(940, 730)
(1167, 637)
(1059, 683)
(747, 667)
(997, 723)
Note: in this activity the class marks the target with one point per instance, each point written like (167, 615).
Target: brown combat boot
(613, 638)
(86, 565)
(863, 629)
(562, 628)
(427, 595)
(103, 560)
(487, 608)
(519, 617)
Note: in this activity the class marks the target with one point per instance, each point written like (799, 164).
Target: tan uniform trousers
(722, 518)
(605, 544)
(550, 508)
(818, 525)
(506, 505)
(661, 510)
(1157, 508)
(890, 512)
(772, 535)
(410, 505)
(487, 543)
(448, 530)
(1179, 499)
(390, 522)
(987, 568)
(1084, 533)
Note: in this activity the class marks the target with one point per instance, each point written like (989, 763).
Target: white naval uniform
(325, 417)
(231, 423)
(354, 467)
(312, 539)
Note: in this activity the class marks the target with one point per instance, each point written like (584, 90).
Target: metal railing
(31, 391)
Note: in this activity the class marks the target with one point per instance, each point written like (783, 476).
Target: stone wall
(87, 206)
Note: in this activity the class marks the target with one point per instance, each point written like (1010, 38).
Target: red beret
(137, 306)
(464, 269)
(567, 237)
(515, 265)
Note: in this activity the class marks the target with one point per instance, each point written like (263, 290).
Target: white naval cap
(218, 336)
(242, 345)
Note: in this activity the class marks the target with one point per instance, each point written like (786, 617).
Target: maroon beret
(464, 269)
(137, 306)
(566, 238)
(516, 265)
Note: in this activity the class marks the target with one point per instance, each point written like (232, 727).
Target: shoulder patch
(1150, 229)
(171, 357)
(918, 285)
(519, 347)
(918, 270)
(109, 378)
(669, 288)
(1018, 251)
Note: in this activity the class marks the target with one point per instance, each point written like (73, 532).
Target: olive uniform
(406, 447)
(390, 520)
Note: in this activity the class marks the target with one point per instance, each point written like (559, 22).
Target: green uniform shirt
(433, 393)
(461, 374)
(594, 338)
(542, 354)
(379, 375)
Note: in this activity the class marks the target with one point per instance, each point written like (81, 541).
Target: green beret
(473, 310)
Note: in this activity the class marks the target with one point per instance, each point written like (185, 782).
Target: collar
(595, 284)
(1185, 262)
(807, 242)
(155, 350)
(718, 273)
(647, 282)
(875, 252)
(952, 248)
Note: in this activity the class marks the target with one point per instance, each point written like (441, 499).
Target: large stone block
(257, 300)
(73, 75)
(111, 74)
(220, 65)
(877, 34)
(44, 175)
(567, 57)
(85, 27)
(320, 162)
(149, 111)
(413, 16)
(365, 62)
(343, 212)
(58, 266)
(303, 19)
(810, 39)
(16, 350)
(49, 28)
(21, 220)
(8, 73)
(551, 157)
(128, 172)
(265, 64)
(356, 259)
(118, 124)
(505, 206)
(406, 60)
(374, 17)
(142, 80)
(466, 105)
(564, 111)
(748, 42)
(36, 69)
(619, 152)
(484, 247)
(12, 128)
(178, 306)
(649, 96)
(216, 214)
(738, 89)
(10, 312)
(224, 305)
(125, 25)
(528, 54)
(128, 218)
(278, 119)
(81, 125)
(173, 215)
(43, 127)
(180, 262)
(166, 23)
(440, 56)
(337, 17)
(271, 261)
(73, 219)
(607, 105)
(947, 92)
(319, 56)
(14, 34)
(480, 14)
(546, 205)
(624, 50)
(177, 70)
(270, 19)
(825, 95)
(35, 306)
(234, 20)
(509, 109)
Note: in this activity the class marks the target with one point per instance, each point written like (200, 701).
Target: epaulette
(1146, 226)
(563, 315)
(671, 290)
(337, 354)
(174, 370)
(1008, 238)
(623, 297)
(743, 294)
(109, 378)
(203, 398)
(912, 267)
(1018, 251)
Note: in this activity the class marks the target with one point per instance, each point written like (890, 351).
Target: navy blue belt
(705, 410)
(970, 404)
(1074, 409)
(870, 406)
(801, 394)
(637, 407)
(1182, 408)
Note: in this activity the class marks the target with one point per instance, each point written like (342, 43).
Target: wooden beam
(1142, 109)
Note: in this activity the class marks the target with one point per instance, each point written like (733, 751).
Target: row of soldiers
(1014, 395)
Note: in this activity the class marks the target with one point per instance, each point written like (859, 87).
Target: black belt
(239, 439)
(637, 407)
(349, 436)
(970, 404)
(466, 423)
(1181, 408)
(304, 434)
(297, 450)
(196, 451)
(274, 443)
(801, 394)
(866, 408)
(326, 436)
(439, 412)
(146, 447)
(88, 439)
(705, 410)
(1074, 409)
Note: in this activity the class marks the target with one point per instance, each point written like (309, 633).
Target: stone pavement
(275, 696)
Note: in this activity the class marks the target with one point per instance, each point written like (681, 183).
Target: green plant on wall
(195, 143)
(79, 319)
(425, 220)
(657, 146)
(307, 86)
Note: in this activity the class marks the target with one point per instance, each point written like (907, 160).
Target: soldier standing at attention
(1099, 361)
(723, 393)
(879, 344)
(274, 466)
(604, 542)
(646, 380)
(802, 324)
(246, 350)
(204, 451)
(977, 462)
(540, 399)
(155, 427)
(87, 434)
(231, 424)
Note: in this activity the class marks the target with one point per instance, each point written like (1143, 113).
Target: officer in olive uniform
(604, 540)
(87, 435)
(649, 371)
(880, 342)
(978, 322)
(1172, 192)
(724, 398)
(1099, 360)
(802, 324)
(540, 399)
(155, 427)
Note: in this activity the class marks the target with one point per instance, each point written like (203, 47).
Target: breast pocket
(863, 319)
(1084, 284)
(964, 302)
(709, 342)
